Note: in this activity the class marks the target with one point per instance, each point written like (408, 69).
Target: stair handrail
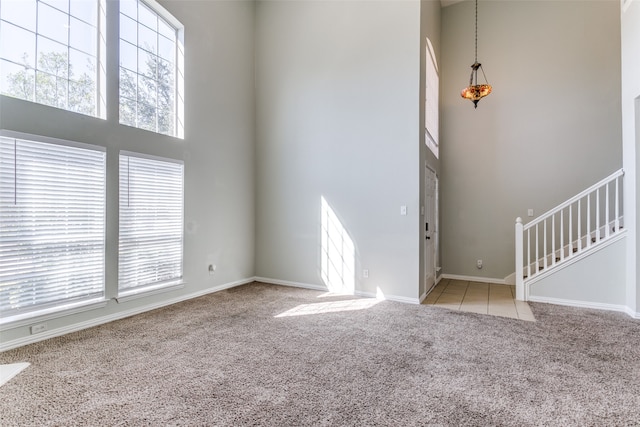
(520, 231)
(574, 199)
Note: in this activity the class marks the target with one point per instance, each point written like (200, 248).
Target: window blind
(52, 224)
(151, 223)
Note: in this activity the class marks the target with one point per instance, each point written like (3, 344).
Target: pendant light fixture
(474, 92)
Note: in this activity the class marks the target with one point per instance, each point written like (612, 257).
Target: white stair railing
(577, 225)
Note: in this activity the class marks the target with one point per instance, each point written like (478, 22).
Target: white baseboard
(290, 283)
(363, 294)
(633, 314)
(396, 298)
(474, 279)
(405, 300)
(422, 297)
(8, 345)
(323, 288)
(510, 279)
(586, 304)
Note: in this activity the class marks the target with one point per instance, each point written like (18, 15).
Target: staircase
(584, 223)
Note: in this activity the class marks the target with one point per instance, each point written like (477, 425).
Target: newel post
(519, 258)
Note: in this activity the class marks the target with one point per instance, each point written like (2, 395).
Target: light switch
(403, 210)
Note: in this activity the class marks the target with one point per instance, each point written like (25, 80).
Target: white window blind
(52, 225)
(151, 223)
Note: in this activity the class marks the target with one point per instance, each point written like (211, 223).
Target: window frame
(99, 73)
(431, 119)
(62, 307)
(133, 291)
(178, 67)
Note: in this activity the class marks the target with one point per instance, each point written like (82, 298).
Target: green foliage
(21, 83)
(55, 83)
(147, 99)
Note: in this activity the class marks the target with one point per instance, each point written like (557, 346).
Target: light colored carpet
(277, 356)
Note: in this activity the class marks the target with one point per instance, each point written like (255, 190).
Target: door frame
(430, 234)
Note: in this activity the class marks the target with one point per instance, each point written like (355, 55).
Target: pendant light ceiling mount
(475, 91)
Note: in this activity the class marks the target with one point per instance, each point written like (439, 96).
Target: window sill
(30, 318)
(148, 291)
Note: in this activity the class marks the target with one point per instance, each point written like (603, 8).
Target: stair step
(573, 249)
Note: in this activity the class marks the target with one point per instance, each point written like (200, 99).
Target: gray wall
(218, 151)
(596, 281)
(550, 129)
(338, 117)
(631, 144)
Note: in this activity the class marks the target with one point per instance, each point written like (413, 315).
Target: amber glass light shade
(474, 92)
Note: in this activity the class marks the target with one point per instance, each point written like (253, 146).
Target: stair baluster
(570, 238)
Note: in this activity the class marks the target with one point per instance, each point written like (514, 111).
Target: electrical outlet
(36, 329)
(212, 269)
(529, 212)
(365, 274)
(479, 264)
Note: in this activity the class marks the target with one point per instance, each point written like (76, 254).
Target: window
(151, 69)
(432, 82)
(151, 223)
(52, 52)
(52, 225)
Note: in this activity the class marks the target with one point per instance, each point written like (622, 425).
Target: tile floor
(484, 298)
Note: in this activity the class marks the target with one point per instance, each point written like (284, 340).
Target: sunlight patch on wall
(337, 253)
(330, 307)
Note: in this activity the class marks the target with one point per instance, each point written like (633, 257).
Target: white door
(430, 228)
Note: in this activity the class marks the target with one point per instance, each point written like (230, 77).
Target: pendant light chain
(474, 92)
(476, 30)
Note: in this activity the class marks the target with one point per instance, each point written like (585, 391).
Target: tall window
(52, 225)
(52, 53)
(432, 117)
(151, 223)
(151, 75)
